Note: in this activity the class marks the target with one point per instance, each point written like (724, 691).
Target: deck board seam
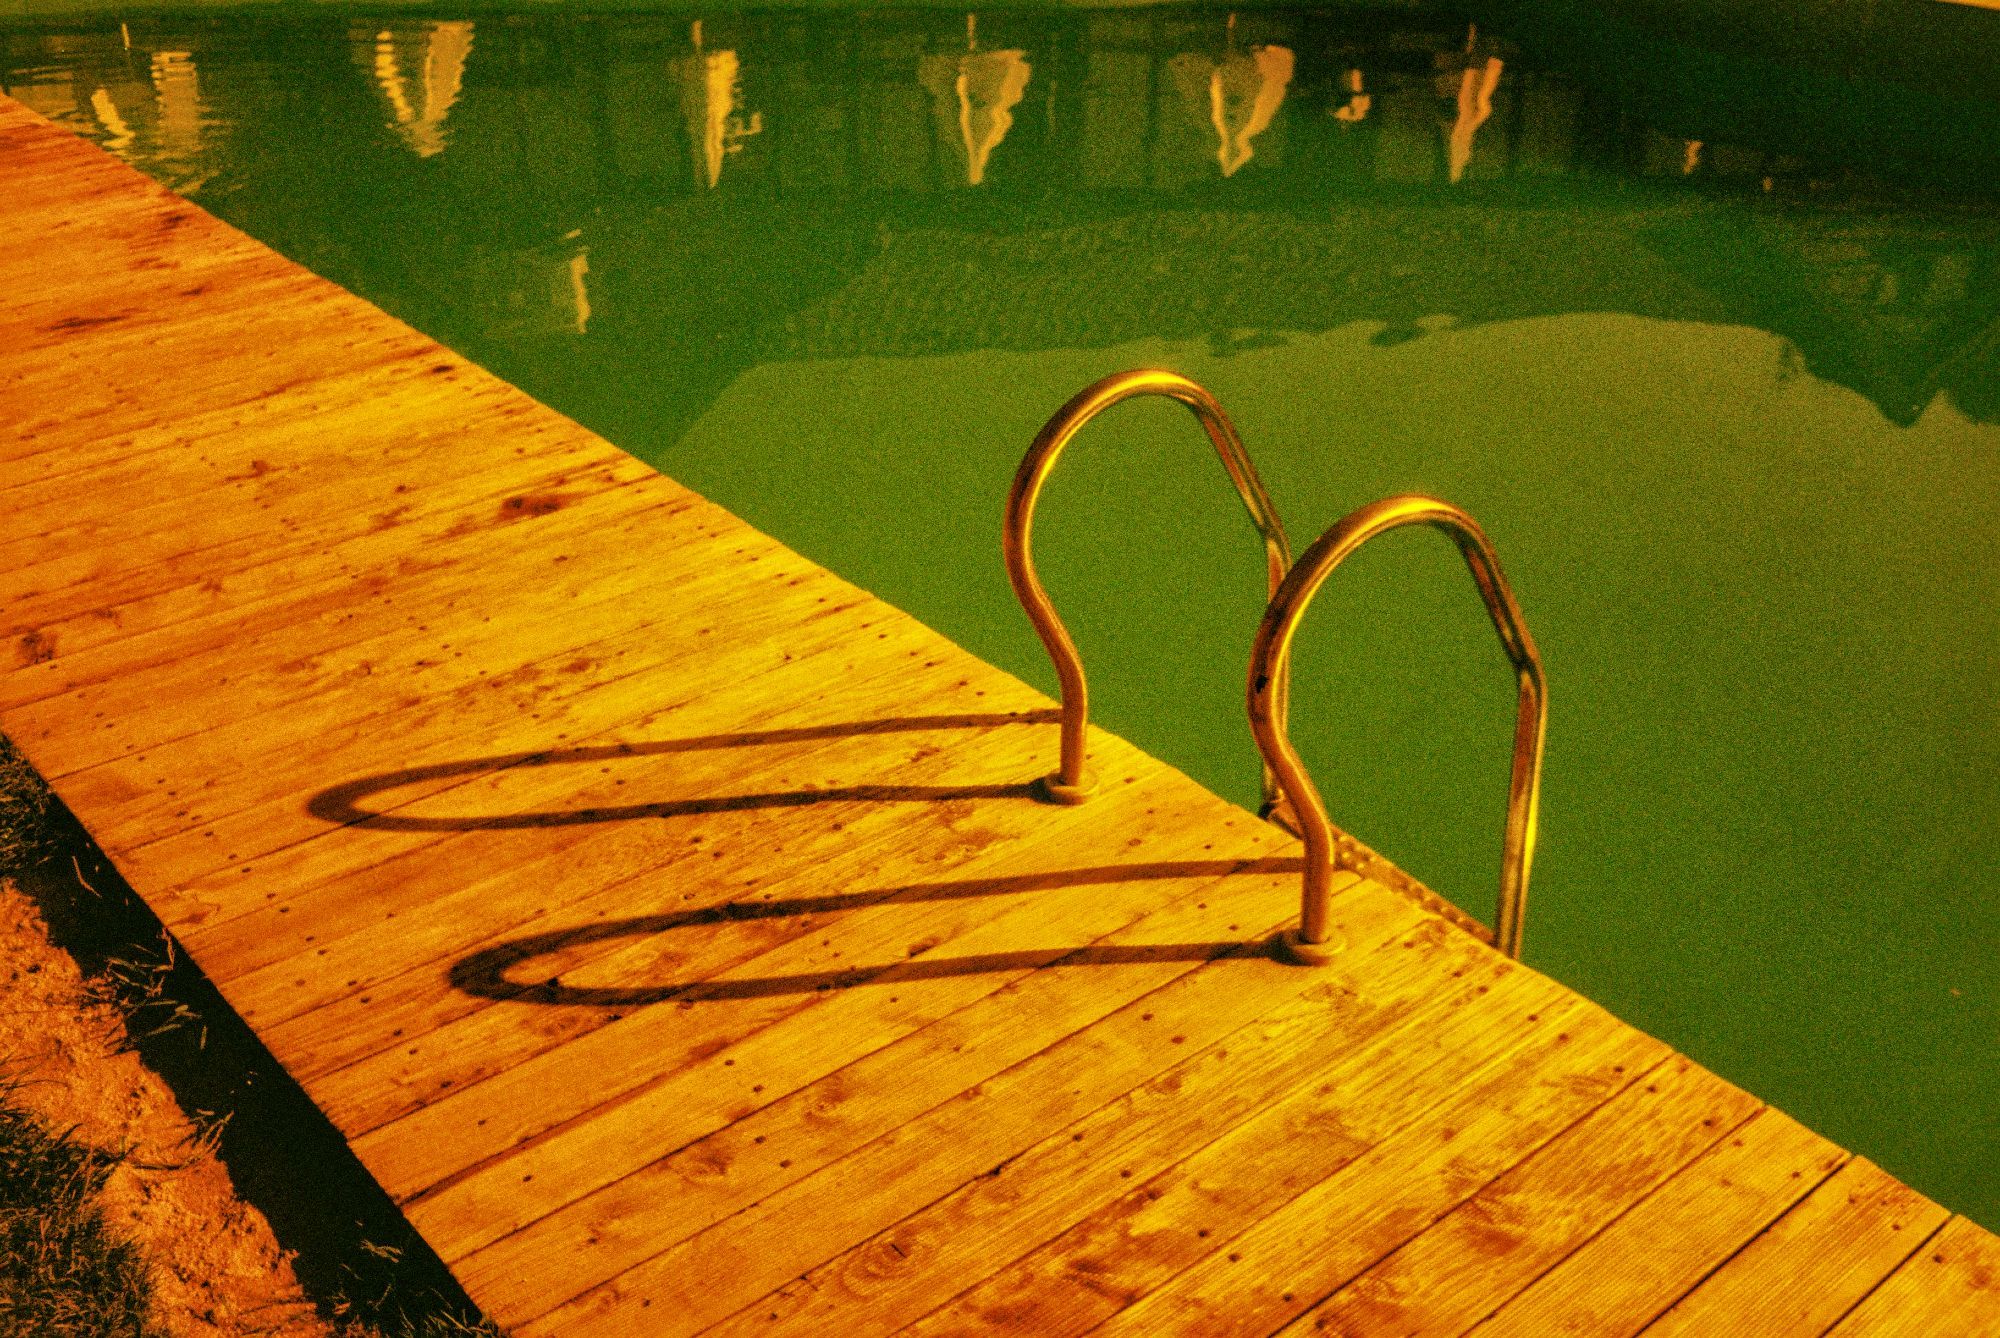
(306, 891)
(1615, 1218)
(523, 757)
(1303, 1320)
(511, 930)
(939, 1020)
(944, 1101)
(1839, 1165)
(1495, 1065)
(1417, 1014)
(376, 580)
(1883, 1281)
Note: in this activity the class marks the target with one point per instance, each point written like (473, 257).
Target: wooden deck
(667, 925)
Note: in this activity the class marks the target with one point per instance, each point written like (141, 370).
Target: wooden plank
(80, 597)
(569, 699)
(1131, 1247)
(1664, 1246)
(831, 1078)
(261, 295)
(69, 192)
(832, 852)
(122, 321)
(110, 467)
(1950, 1286)
(1263, 1278)
(1540, 1210)
(375, 439)
(752, 838)
(199, 613)
(75, 466)
(525, 798)
(1268, 1156)
(154, 798)
(51, 309)
(442, 623)
(1219, 1139)
(112, 373)
(502, 817)
(957, 1097)
(1811, 1266)
(684, 1043)
(69, 581)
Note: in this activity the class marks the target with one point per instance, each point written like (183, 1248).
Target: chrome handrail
(1271, 652)
(1069, 784)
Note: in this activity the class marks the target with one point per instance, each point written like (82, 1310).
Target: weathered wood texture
(668, 925)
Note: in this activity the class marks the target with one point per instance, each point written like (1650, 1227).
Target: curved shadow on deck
(488, 973)
(342, 805)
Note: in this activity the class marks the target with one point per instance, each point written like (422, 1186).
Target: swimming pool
(1727, 402)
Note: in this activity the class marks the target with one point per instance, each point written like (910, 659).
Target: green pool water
(1706, 333)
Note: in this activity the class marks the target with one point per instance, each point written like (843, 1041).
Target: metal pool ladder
(1071, 783)
(1289, 796)
(1313, 940)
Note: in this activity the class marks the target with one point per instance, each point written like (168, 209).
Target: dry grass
(63, 1272)
(26, 835)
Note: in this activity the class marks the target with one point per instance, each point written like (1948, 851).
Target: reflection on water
(419, 104)
(1712, 353)
(1475, 105)
(117, 135)
(177, 135)
(1453, 142)
(579, 293)
(976, 94)
(1240, 92)
(711, 99)
(1356, 104)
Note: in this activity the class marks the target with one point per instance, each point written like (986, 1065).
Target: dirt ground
(216, 1269)
(252, 1213)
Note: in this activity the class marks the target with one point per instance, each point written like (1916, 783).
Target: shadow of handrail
(341, 804)
(487, 973)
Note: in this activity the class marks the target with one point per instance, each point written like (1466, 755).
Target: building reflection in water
(1244, 97)
(1353, 107)
(1140, 101)
(1142, 151)
(178, 87)
(418, 105)
(1476, 85)
(155, 120)
(537, 292)
(1239, 94)
(579, 289)
(117, 135)
(975, 95)
(711, 100)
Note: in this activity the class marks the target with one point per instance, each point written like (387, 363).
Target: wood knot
(530, 504)
(37, 647)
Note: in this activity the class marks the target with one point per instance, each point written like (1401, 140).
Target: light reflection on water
(1723, 390)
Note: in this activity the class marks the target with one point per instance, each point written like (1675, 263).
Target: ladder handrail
(1271, 651)
(1069, 783)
